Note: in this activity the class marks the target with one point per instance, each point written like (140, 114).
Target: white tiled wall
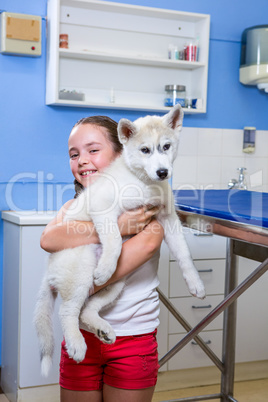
(208, 158)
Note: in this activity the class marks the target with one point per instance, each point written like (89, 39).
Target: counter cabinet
(208, 252)
(209, 255)
(24, 264)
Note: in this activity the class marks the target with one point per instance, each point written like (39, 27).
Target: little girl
(126, 370)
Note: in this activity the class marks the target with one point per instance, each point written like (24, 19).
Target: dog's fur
(137, 177)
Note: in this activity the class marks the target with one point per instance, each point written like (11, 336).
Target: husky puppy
(137, 177)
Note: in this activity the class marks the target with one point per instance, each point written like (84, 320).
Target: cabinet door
(10, 330)
(212, 272)
(33, 265)
(204, 246)
(194, 310)
(192, 356)
(252, 321)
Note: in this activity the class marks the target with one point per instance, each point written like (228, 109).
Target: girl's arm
(136, 251)
(59, 235)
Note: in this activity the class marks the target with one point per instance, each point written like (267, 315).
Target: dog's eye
(145, 150)
(166, 147)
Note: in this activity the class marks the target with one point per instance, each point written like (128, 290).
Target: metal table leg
(229, 326)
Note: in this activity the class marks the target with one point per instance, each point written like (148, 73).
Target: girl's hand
(59, 235)
(134, 221)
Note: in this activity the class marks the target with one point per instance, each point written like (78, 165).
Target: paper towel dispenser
(254, 57)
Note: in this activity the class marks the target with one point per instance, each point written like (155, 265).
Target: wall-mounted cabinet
(117, 55)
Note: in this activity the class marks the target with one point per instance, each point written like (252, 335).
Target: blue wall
(34, 169)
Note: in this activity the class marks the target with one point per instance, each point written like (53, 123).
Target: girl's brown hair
(110, 127)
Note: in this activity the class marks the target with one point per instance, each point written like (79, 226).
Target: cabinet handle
(198, 307)
(205, 270)
(207, 342)
(203, 234)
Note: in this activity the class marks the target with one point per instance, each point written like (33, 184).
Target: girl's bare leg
(111, 394)
(67, 395)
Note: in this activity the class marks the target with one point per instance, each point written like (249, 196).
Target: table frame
(242, 240)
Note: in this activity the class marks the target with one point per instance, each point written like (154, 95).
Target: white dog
(137, 177)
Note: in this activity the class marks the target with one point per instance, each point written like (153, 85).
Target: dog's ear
(174, 118)
(126, 129)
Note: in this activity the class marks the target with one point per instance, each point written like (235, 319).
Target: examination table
(242, 217)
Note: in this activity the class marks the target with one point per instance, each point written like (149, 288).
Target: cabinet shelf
(124, 49)
(123, 106)
(116, 58)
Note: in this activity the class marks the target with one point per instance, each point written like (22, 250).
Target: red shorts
(130, 363)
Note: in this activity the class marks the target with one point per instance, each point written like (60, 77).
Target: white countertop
(24, 218)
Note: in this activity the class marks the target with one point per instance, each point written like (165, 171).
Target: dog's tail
(43, 324)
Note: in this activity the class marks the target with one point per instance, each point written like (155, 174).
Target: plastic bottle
(197, 48)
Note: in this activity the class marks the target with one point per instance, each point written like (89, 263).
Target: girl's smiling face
(90, 152)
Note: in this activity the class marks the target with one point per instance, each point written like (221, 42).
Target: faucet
(240, 183)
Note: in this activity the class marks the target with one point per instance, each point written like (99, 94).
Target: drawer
(194, 310)
(204, 245)
(212, 272)
(192, 355)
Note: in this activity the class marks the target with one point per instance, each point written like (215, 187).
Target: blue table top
(241, 206)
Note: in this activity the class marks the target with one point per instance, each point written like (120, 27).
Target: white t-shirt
(136, 311)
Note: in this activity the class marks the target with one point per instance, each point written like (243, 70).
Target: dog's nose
(162, 173)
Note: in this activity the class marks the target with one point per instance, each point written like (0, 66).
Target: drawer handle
(207, 342)
(205, 270)
(198, 307)
(203, 234)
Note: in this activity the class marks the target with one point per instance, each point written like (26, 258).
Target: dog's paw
(195, 284)
(100, 278)
(197, 288)
(106, 337)
(102, 275)
(76, 349)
